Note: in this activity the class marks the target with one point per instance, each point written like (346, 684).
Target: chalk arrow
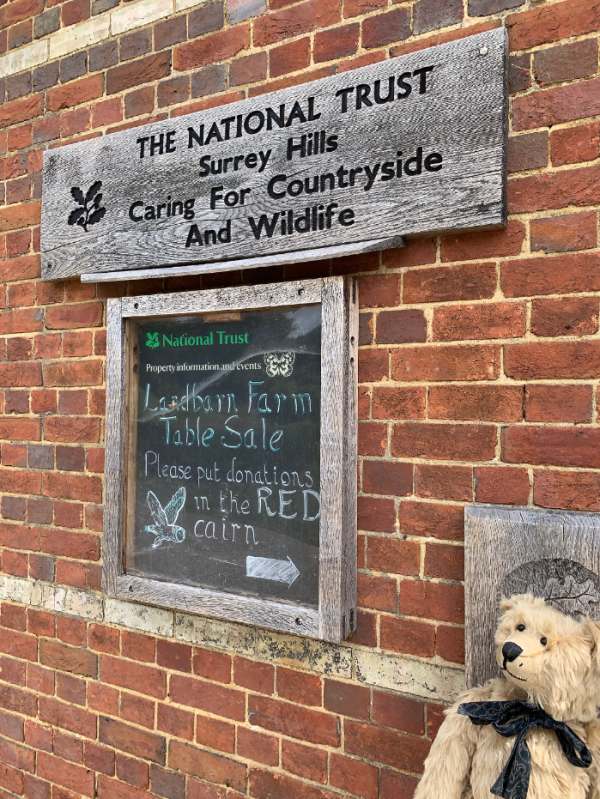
(280, 571)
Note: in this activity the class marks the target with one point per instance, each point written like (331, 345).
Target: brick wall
(479, 368)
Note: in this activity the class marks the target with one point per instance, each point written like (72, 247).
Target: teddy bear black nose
(511, 651)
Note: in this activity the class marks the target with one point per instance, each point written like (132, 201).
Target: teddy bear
(532, 733)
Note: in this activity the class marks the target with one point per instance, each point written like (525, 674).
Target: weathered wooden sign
(551, 554)
(231, 454)
(410, 145)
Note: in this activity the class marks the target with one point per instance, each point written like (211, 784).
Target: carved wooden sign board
(353, 162)
(231, 454)
(551, 554)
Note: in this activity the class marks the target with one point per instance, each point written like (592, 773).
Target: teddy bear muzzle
(511, 651)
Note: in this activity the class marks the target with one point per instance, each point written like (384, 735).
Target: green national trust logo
(153, 340)
(214, 338)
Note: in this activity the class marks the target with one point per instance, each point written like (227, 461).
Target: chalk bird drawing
(164, 528)
(279, 363)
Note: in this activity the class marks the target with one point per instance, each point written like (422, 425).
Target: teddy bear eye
(520, 627)
(543, 640)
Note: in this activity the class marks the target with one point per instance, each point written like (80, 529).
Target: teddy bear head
(550, 657)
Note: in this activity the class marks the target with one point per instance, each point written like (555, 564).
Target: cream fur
(562, 676)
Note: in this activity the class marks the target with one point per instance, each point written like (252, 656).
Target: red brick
(75, 93)
(249, 69)
(347, 699)
(173, 655)
(258, 747)
(113, 789)
(567, 490)
(476, 403)
(72, 486)
(408, 637)
(555, 446)
(290, 22)
(212, 665)
(502, 486)
(439, 284)
(126, 674)
(20, 110)
(139, 711)
(378, 593)
(267, 785)
(289, 57)
(70, 717)
(565, 317)
(353, 776)
(394, 556)
(214, 768)
(295, 722)
(432, 520)
(295, 686)
(336, 42)
(401, 327)
(481, 321)
(454, 442)
(398, 403)
(398, 712)
(444, 562)
(356, 8)
(18, 701)
(211, 49)
(68, 658)
(565, 233)
(305, 761)
(432, 600)
(444, 482)
(441, 363)
(373, 365)
(72, 429)
(566, 62)
(78, 779)
(546, 403)
(175, 721)
(450, 643)
(551, 23)
(387, 477)
(215, 734)
(138, 646)
(378, 515)
(490, 244)
(256, 676)
(133, 740)
(379, 291)
(579, 187)
(396, 749)
(560, 274)
(18, 644)
(575, 145)
(549, 360)
(142, 70)
(527, 151)
(383, 29)
(83, 314)
(552, 106)
(206, 696)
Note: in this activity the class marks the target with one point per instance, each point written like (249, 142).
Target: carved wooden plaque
(551, 554)
(409, 145)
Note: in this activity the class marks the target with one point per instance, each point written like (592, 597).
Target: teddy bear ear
(507, 603)
(592, 629)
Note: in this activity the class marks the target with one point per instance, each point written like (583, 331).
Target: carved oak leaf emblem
(89, 209)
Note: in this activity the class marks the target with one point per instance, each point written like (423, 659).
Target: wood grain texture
(284, 259)
(510, 550)
(461, 115)
(335, 618)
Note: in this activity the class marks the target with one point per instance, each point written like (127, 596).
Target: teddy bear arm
(593, 742)
(448, 766)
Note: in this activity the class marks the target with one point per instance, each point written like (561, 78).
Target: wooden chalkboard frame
(335, 618)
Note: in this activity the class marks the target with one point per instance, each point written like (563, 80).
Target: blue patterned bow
(516, 719)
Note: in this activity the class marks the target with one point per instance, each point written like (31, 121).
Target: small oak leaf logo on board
(152, 340)
(89, 210)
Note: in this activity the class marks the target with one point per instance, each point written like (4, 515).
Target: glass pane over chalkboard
(223, 475)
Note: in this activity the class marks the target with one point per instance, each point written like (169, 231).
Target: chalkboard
(231, 454)
(226, 468)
